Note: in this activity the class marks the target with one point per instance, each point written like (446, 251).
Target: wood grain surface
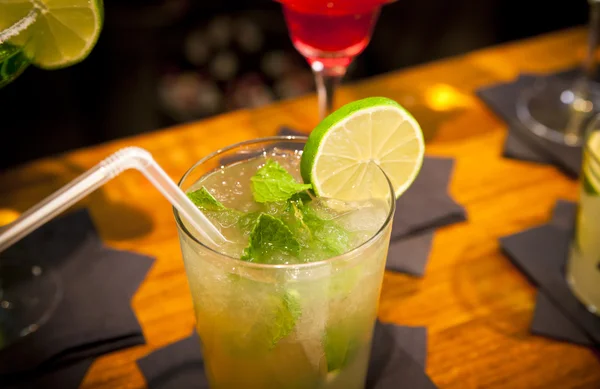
(475, 304)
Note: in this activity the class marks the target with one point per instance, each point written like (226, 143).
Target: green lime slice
(343, 152)
(591, 167)
(54, 33)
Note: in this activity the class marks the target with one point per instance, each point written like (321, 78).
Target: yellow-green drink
(297, 310)
(583, 266)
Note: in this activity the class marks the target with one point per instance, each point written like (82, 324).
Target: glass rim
(19, 26)
(298, 266)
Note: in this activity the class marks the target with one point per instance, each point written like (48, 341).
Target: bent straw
(109, 168)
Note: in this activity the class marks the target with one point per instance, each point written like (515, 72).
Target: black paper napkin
(541, 253)
(413, 340)
(391, 366)
(498, 98)
(563, 215)
(520, 142)
(180, 365)
(94, 315)
(410, 254)
(551, 322)
(548, 319)
(427, 204)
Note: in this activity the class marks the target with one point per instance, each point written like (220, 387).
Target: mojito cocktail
(583, 266)
(290, 300)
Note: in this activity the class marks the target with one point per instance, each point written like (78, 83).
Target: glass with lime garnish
(583, 265)
(291, 299)
(46, 33)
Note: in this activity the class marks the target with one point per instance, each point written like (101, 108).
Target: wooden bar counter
(476, 305)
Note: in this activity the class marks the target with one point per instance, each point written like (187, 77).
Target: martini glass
(557, 110)
(329, 34)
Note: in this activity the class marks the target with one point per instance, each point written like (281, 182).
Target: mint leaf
(269, 236)
(332, 237)
(247, 222)
(205, 201)
(295, 220)
(319, 238)
(273, 183)
(286, 313)
(213, 208)
(276, 313)
(301, 198)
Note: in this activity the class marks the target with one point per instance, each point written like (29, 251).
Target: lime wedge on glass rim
(53, 33)
(346, 152)
(591, 167)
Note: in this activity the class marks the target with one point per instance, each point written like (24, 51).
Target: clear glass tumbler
(238, 303)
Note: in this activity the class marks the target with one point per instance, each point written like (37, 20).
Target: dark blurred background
(163, 62)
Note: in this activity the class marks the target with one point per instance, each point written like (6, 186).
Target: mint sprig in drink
(290, 301)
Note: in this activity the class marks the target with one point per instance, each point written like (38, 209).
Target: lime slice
(54, 33)
(591, 167)
(345, 153)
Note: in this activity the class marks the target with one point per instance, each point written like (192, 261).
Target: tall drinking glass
(305, 325)
(558, 110)
(583, 265)
(329, 34)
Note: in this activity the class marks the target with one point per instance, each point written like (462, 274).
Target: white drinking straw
(109, 168)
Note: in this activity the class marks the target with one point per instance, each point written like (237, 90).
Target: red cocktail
(330, 33)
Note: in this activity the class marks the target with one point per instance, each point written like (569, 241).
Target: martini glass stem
(327, 81)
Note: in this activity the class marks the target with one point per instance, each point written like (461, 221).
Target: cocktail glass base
(557, 110)
(29, 295)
